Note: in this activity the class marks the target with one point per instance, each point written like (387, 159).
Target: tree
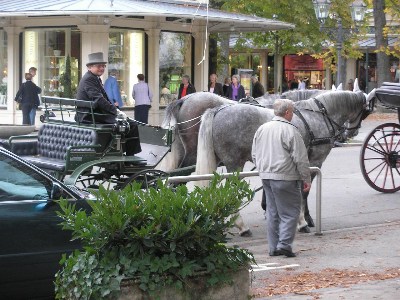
(66, 79)
(306, 37)
(382, 59)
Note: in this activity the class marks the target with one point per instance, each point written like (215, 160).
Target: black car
(31, 238)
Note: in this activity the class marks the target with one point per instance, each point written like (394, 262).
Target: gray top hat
(96, 58)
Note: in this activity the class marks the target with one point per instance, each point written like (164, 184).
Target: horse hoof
(310, 221)
(305, 229)
(246, 233)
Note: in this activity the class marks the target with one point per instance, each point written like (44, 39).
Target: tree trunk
(213, 56)
(224, 69)
(382, 72)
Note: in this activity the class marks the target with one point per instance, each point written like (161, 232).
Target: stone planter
(195, 289)
(11, 130)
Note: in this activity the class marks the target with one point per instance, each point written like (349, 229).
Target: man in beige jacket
(280, 157)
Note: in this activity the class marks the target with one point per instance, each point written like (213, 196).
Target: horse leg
(244, 230)
(307, 215)
(302, 225)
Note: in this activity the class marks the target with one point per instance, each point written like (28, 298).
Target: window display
(56, 55)
(126, 60)
(175, 61)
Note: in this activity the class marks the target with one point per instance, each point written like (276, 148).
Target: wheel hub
(393, 159)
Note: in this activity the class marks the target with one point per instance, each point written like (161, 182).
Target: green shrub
(157, 238)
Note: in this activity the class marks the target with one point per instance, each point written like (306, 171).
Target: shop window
(175, 60)
(3, 68)
(126, 60)
(55, 53)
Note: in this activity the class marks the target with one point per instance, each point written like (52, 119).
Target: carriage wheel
(380, 158)
(147, 178)
(99, 176)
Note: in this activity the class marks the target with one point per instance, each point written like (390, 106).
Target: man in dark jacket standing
(28, 97)
(91, 89)
(258, 89)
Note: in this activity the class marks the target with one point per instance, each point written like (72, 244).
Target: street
(360, 227)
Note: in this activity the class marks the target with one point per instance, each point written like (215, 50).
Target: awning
(371, 42)
(218, 21)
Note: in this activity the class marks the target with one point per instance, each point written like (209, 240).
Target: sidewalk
(359, 261)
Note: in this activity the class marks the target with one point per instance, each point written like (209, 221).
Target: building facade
(161, 39)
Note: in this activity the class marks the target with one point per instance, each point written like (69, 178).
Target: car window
(20, 182)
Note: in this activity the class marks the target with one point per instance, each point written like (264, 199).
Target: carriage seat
(389, 94)
(52, 147)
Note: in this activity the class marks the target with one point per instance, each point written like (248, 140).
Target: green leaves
(157, 237)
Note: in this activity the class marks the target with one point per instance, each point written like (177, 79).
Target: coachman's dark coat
(91, 89)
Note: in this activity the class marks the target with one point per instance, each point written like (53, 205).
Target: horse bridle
(330, 123)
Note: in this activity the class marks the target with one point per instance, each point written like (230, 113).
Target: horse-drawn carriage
(380, 153)
(92, 154)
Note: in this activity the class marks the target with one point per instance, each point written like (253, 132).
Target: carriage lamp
(322, 12)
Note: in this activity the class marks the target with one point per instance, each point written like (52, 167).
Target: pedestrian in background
(235, 89)
(112, 89)
(214, 86)
(294, 84)
(280, 156)
(350, 85)
(258, 89)
(302, 84)
(227, 83)
(32, 113)
(186, 87)
(28, 97)
(143, 97)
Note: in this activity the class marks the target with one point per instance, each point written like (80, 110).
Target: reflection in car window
(19, 182)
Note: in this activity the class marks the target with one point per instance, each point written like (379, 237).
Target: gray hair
(187, 77)
(254, 77)
(281, 106)
(237, 77)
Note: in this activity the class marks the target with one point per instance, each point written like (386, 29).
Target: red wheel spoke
(376, 150)
(377, 176)
(377, 166)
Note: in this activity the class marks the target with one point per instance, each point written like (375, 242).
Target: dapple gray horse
(226, 132)
(185, 115)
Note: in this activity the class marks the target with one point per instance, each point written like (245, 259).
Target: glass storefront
(367, 69)
(126, 60)
(3, 68)
(175, 60)
(54, 52)
(306, 68)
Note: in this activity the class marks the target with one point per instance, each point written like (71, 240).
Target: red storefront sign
(302, 63)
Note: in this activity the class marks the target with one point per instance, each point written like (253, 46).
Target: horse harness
(315, 141)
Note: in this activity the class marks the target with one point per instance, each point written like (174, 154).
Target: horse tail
(171, 114)
(206, 161)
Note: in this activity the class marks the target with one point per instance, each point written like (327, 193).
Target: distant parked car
(31, 239)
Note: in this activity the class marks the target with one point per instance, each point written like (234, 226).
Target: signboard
(302, 62)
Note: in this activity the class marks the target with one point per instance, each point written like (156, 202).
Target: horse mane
(297, 95)
(347, 100)
(171, 113)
